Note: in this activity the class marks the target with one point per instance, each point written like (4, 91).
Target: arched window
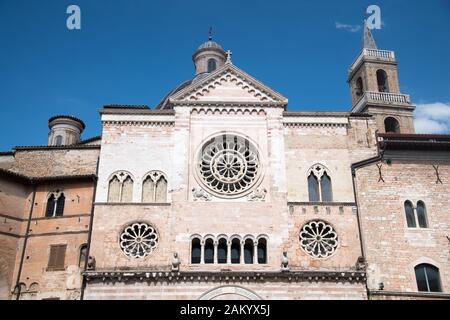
(409, 211)
(60, 205)
(422, 215)
(222, 249)
(427, 277)
(262, 251)
(120, 188)
(235, 251)
(313, 188)
(319, 184)
(51, 204)
(154, 188)
(58, 140)
(212, 65)
(83, 256)
(55, 205)
(196, 251)
(359, 87)
(248, 251)
(391, 125)
(325, 188)
(209, 251)
(382, 81)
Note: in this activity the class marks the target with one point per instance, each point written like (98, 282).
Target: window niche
(416, 216)
(120, 187)
(154, 187)
(55, 204)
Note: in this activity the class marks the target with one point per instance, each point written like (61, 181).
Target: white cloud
(432, 117)
(348, 27)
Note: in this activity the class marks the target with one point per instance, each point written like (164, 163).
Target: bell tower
(375, 89)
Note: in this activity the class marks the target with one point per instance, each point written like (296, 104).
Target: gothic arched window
(212, 65)
(154, 188)
(51, 204)
(427, 277)
(209, 251)
(235, 251)
(196, 251)
(55, 205)
(422, 215)
(319, 184)
(391, 125)
(120, 188)
(382, 81)
(222, 249)
(409, 211)
(248, 251)
(262, 251)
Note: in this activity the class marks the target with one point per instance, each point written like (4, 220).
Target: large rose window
(228, 165)
(318, 239)
(138, 240)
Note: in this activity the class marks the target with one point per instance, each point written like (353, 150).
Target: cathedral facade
(220, 192)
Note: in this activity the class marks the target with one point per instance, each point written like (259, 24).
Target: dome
(210, 45)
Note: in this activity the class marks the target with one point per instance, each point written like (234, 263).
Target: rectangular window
(57, 257)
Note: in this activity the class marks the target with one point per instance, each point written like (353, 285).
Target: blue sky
(134, 51)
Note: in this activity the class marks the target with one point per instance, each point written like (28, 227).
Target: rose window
(229, 165)
(138, 240)
(318, 239)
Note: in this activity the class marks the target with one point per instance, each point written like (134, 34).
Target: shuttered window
(57, 257)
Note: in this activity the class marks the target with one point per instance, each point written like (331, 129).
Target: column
(216, 243)
(229, 252)
(255, 252)
(242, 252)
(202, 252)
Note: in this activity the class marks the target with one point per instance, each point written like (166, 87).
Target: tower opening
(391, 125)
(212, 65)
(382, 81)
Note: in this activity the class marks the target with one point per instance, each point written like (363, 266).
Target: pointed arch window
(382, 81)
(55, 205)
(83, 256)
(120, 187)
(154, 188)
(428, 278)
(212, 65)
(319, 184)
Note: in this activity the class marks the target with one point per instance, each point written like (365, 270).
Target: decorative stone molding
(318, 125)
(164, 276)
(139, 123)
(216, 110)
(236, 290)
(257, 195)
(199, 194)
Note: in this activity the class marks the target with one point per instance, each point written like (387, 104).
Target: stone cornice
(141, 111)
(150, 123)
(322, 204)
(313, 124)
(228, 276)
(229, 104)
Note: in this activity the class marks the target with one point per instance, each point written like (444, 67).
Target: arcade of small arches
(224, 249)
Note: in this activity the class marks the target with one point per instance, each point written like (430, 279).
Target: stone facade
(255, 202)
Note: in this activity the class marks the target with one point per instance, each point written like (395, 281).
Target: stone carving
(285, 262)
(318, 239)
(176, 262)
(361, 264)
(200, 195)
(138, 240)
(91, 263)
(257, 195)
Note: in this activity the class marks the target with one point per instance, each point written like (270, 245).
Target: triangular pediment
(228, 84)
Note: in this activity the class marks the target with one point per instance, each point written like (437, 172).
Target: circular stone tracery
(138, 240)
(229, 165)
(318, 239)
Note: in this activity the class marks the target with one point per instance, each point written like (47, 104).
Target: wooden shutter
(57, 257)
